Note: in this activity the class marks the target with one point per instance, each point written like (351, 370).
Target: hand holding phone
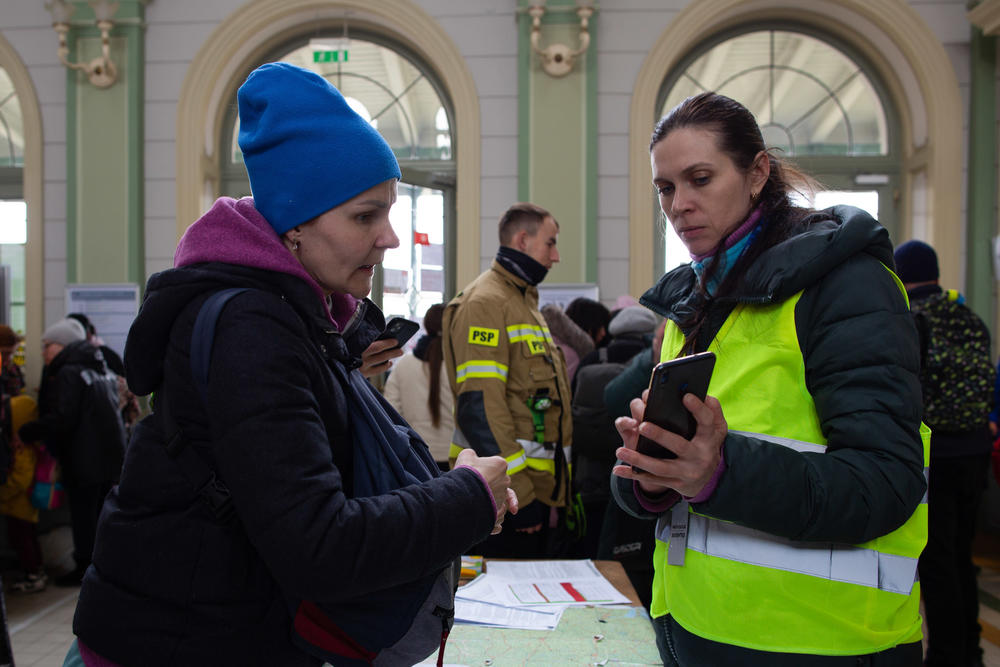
(401, 329)
(670, 381)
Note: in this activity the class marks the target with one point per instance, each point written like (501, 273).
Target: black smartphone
(401, 329)
(668, 384)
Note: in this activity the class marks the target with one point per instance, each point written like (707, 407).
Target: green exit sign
(335, 56)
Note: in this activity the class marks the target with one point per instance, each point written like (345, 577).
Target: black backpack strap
(203, 335)
(212, 491)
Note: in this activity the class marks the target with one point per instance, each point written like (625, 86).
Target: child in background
(22, 516)
(11, 375)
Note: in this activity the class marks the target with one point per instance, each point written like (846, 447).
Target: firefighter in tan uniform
(509, 379)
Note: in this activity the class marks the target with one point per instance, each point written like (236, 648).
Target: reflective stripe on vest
(743, 587)
(481, 368)
(524, 332)
(838, 562)
(540, 457)
(532, 454)
(516, 462)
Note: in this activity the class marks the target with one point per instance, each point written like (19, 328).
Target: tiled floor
(40, 623)
(988, 559)
(40, 626)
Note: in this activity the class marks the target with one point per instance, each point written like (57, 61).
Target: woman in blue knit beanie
(273, 510)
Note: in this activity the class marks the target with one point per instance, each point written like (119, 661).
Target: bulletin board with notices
(110, 308)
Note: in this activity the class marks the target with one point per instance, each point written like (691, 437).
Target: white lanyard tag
(678, 533)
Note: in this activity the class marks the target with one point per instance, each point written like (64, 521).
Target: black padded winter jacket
(861, 357)
(171, 585)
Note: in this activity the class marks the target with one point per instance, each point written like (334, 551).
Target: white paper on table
(481, 613)
(477, 589)
(542, 583)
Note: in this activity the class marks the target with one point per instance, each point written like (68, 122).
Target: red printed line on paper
(541, 593)
(575, 593)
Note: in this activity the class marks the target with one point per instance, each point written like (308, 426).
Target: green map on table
(585, 636)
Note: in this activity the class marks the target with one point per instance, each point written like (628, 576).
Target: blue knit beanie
(306, 151)
(916, 262)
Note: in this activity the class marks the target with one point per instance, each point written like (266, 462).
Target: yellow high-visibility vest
(753, 589)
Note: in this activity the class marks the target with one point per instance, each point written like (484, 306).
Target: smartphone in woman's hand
(668, 384)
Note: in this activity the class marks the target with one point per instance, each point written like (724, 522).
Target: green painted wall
(557, 141)
(101, 126)
(104, 170)
(981, 205)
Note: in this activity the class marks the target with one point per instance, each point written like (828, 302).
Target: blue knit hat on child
(306, 151)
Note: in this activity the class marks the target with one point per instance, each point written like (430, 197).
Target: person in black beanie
(957, 381)
(512, 394)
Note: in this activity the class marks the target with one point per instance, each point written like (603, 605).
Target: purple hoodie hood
(234, 232)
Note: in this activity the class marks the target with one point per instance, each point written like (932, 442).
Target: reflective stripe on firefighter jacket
(741, 586)
(499, 354)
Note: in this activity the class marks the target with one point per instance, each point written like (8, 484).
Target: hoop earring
(295, 246)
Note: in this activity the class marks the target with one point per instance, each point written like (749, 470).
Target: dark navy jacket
(171, 585)
(78, 419)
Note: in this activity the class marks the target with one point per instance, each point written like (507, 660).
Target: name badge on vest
(678, 533)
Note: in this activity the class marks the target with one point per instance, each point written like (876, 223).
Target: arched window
(13, 211)
(399, 96)
(817, 104)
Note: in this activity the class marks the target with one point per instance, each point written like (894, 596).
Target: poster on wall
(562, 293)
(110, 307)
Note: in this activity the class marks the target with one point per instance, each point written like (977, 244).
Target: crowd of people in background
(856, 363)
(74, 435)
(833, 354)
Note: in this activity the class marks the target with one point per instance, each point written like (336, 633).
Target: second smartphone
(401, 329)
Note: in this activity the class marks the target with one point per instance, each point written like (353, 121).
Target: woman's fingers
(493, 470)
(628, 429)
(376, 357)
(711, 422)
(661, 437)
(512, 504)
(697, 459)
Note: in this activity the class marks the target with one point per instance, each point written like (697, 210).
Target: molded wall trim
(936, 99)
(211, 82)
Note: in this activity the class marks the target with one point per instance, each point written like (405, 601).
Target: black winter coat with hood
(861, 357)
(172, 586)
(78, 419)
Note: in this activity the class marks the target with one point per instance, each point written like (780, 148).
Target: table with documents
(583, 635)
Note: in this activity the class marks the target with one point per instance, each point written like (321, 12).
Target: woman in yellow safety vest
(789, 526)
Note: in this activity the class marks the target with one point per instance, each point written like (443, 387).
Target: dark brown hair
(8, 337)
(522, 215)
(739, 137)
(589, 315)
(432, 324)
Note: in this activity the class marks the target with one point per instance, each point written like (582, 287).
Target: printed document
(511, 588)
